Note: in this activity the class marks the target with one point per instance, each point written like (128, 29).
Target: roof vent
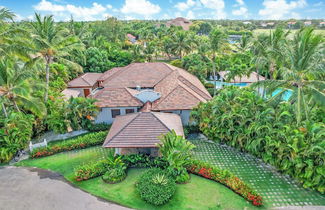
(138, 87)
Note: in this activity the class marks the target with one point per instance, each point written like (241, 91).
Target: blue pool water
(221, 84)
(286, 95)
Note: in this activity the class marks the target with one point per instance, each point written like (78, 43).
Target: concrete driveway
(37, 189)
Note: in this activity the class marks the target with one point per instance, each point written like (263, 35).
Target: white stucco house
(153, 87)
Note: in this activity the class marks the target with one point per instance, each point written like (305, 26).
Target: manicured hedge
(79, 142)
(99, 127)
(91, 170)
(226, 178)
(156, 187)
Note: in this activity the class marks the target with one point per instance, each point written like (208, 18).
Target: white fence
(34, 146)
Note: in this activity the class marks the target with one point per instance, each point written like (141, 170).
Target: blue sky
(166, 9)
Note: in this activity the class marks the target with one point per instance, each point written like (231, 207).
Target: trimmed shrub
(144, 161)
(226, 178)
(99, 127)
(156, 187)
(209, 85)
(114, 175)
(91, 170)
(79, 142)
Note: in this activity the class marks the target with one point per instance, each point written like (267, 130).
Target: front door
(86, 92)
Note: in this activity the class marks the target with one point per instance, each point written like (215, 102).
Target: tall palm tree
(218, 39)
(303, 66)
(181, 43)
(53, 43)
(17, 88)
(271, 49)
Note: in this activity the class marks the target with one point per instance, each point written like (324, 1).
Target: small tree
(178, 152)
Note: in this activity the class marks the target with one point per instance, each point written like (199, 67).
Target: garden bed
(187, 196)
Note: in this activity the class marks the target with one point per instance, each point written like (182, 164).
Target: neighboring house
(291, 24)
(183, 22)
(247, 22)
(322, 24)
(126, 90)
(140, 132)
(253, 77)
(307, 23)
(85, 83)
(131, 38)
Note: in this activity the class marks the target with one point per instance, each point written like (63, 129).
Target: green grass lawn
(199, 193)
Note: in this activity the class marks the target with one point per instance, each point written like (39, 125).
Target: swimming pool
(285, 96)
(221, 84)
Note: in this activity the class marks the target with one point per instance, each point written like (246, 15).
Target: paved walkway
(276, 189)
(38, 189)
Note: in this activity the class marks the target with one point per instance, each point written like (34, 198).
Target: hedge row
(90, 170)
(95, 169)
(79, 142)
(226, 178)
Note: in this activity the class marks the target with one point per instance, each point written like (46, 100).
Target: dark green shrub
(183, 177)
(144, 161)
(114, 175)
(99, 127)
(156, 187)
(79, 142)
(211, 91)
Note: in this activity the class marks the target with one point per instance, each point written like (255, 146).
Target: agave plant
(160, 179)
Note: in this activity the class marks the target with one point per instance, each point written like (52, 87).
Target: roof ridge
(126, 88)
(159, 120)
(119, 72)
(196, 88)
(189, 91)
(137, 115)
(82, 77)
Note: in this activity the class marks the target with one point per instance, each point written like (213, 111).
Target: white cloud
(190, 15)
(63, 12)
(185, 5)
(242, 11)
(48, 6)
(217, 5)
(109, 6)
(140, 7)
(280, 9)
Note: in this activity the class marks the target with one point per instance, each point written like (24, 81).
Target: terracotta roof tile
(85, 80)
(141, 129)
(115, 97)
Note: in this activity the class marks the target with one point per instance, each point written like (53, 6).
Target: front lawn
(199, 193)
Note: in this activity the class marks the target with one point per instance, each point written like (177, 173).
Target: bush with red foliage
(226, 178)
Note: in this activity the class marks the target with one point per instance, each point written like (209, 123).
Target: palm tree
(17, 88)
(181, 43)
(217, 41)
(53, 43)
(149, 51)
(271, 49)
(300, 72)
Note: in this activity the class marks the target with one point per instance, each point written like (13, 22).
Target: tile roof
(142, 129)
(85, 80)
(253, 77)
(178, 88)
(116, 97)
(183, 22)
(68, 93)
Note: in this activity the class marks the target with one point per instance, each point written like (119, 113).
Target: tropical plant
(15, 134)
(52, 43)
(300, 73)
(17, 88)
(156, 187)
(242, 119)
(181, 43)
(177, 151)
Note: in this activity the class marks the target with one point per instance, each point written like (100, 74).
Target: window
(115, 112)
(128, 111)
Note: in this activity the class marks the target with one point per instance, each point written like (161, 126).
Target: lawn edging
(226, 178)
(79, 142)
